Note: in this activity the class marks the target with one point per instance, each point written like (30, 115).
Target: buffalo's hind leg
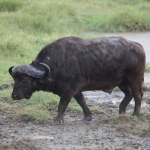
(128, 97)
(81, 101)
(137, 92)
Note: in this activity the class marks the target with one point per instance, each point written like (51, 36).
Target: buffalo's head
(25, 79)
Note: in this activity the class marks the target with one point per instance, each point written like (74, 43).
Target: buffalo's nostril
(16, 97)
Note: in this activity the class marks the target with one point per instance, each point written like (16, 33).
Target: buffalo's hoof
(87, 118)
(59, 120)
(136, 114)
(122, 111)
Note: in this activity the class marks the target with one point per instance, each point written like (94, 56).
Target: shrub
(10, 5)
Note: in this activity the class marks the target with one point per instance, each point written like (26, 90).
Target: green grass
(141, 130)
(132, 124)
(147, 68)
(10, 5)
(114, 16)
(40, 108)
(27, 26)
(96, 109)
(5, 94)
(33, 114)
(4, 107)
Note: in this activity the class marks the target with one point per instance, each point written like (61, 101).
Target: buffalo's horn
(10, 69)
(28, 70)
(47, 68)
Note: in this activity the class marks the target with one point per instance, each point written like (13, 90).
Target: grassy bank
(27, 26)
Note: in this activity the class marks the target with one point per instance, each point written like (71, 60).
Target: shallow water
(142, 38)
(147, 78)
(115, 98)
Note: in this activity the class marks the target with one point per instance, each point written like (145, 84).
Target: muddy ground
(107, 130)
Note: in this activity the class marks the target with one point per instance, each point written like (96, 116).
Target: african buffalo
(71, 65)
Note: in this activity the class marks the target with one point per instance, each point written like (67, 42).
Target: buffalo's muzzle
(15, 97)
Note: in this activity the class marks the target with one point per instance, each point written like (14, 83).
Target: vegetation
(132, 124)
(147, 68)
(27, 26)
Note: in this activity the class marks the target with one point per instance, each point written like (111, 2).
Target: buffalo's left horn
(47, 68)
(10, 69)
(28, 70)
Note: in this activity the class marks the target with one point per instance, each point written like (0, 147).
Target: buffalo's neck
(45, 86)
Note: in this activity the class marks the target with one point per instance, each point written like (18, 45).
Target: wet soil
(102, 133)
(107, 130)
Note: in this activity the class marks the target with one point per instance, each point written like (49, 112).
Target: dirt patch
(24, 144)
(107, 130)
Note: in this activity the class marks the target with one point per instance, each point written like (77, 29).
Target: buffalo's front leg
(64, 101)
(81, 101)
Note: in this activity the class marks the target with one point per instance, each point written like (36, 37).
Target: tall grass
(118, 16)
(10, 5)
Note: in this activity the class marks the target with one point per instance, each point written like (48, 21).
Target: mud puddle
(147, 78)
(114, 98)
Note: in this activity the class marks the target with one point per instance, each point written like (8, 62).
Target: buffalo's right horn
(10, 69)
(47, 68)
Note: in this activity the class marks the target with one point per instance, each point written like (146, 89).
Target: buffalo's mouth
(19, 97)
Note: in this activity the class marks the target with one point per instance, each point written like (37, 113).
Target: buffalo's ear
(10, 69)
